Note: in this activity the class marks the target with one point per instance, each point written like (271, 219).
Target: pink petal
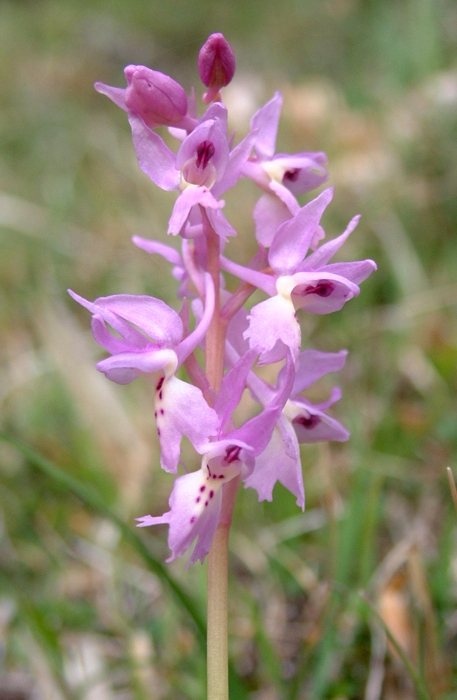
(154, 157)
(271, 321)
(294, 237)
(266, 120)
(180, 409)
(274, 465)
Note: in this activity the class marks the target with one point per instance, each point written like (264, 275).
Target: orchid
(281, 176)
(202, 170)
(196, 499)
(298, 282)
(151, 344)
(145, 337)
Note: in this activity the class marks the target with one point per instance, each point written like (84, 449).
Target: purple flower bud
(155, 97)
(216, 65)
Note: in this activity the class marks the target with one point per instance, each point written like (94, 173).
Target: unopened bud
(216, 65)
(155, 97)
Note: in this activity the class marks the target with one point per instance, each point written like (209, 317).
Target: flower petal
(266, 120)
(180, 409)
(154, 157)
(274, 464)
(313, 364)
(271, 321)
(294, 237)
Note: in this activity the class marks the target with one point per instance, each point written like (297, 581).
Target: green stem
(217, 636)
(217, 572)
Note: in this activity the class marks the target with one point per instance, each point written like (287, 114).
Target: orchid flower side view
(292, 268)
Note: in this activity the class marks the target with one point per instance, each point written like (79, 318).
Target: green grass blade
(92, 500)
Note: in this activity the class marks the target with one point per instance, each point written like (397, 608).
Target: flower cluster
(144, 336)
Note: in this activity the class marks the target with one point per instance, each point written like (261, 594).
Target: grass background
(87, 610)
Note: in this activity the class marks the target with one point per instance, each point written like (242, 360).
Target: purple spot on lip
(197, 500)
(211, 494)
(231, 454)
(159, 383)
(206, 503)
(158, 432)
(202, 488)
(292, 175)
(323, 288)
(162, 412)
(192, 520)
(307, 422)
(205, 151)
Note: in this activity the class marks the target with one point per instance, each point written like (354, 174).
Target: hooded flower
(150, 342)
(202, 170)
(153, 96)
(300, 421)
(299, 282)
(281, 176)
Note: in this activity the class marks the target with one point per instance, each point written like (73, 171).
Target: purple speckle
(323, 288)
(202, 488)
(307, 422)
(192, 520)
(205, 151)
(292, 174)
(158, 432)
(197, 500)
(231, 454)
(162, 412)
(211, 494)
(206, 503)
(161, 395)
(221, 476)
(159, 383)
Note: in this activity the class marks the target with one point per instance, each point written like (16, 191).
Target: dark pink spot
(158, 432)
(192, 520)
(197, 500)
(215, 477)
(323, 288)
(221, 476)
(231, 454)
(292, 175)
(202, 488)
(205, 151)
(159, 383)
(160, 395)
(307, 422)
(211, 494)
(162, 412)
(206, 503)
(155, 414)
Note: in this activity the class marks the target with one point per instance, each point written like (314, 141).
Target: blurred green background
(87, 611)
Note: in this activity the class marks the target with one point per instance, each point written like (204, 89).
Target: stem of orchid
(215, 336)
(217, 572)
